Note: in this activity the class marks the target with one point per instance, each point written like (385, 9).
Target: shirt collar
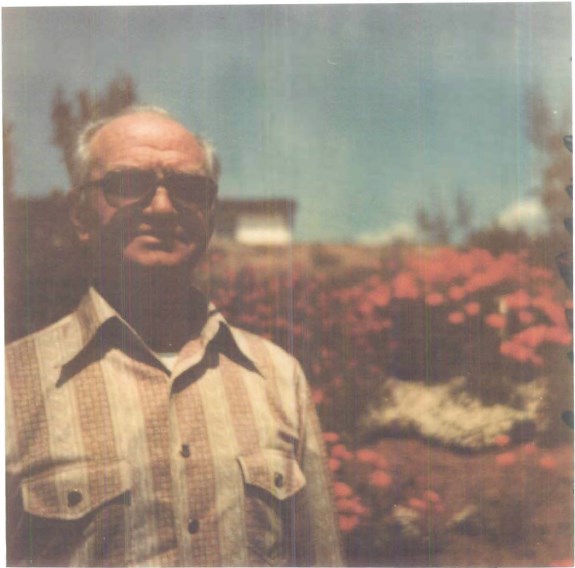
(94, 312)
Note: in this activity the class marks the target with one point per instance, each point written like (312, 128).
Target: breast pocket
(272, 480)
(77, 512)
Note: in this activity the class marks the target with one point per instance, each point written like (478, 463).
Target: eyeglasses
(128, 187)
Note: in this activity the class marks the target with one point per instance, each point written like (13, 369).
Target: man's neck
(158, 306)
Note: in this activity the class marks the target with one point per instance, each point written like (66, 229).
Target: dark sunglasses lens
(191, 190)
(127, 187)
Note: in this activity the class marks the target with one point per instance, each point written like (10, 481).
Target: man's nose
(161, 202)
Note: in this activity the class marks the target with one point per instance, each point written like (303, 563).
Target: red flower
(526, 317)
(317, 395)
(341, 452)
(330, 437)
(472, 308)
(348, 522)
(342, 489)
(502, 440)
(529, 449)
(366, 456)
(417, 504)
(456, 293)
(405, 287)
(548, 462)
(434, 299)
(506, 459)
(380, 479)
(496, 321)
(456, 318)
(333, 464)
(432, 496)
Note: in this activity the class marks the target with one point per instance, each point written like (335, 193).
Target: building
(256, 221)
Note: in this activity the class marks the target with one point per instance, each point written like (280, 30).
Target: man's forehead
(141, 129)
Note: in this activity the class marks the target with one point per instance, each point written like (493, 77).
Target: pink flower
(472, 308)
(456, 318)
(506, 459)
(380, 479)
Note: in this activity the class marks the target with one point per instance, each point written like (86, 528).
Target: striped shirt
(114, 460)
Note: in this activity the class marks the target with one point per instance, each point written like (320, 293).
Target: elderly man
(143, 429)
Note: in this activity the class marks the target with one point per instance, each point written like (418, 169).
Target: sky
(361, 113)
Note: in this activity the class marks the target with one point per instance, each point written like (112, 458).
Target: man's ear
(81, 214)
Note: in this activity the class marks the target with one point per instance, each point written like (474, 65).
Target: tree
(70, 116)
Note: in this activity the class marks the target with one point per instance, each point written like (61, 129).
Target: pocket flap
(273, 471)
(70, 492)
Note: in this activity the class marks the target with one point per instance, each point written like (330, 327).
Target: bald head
(151, 115)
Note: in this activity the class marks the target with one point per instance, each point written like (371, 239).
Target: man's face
(156, 231)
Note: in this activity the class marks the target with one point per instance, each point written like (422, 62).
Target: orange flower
(506, 459)
(380, 479)
(502, 440)
(548, 462)
(456, 318)
(472, 308)
(434, 299)
(342, 489)
(529, 449)
(496, 321)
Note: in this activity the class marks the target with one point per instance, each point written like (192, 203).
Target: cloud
(528, 214)
(401, 231)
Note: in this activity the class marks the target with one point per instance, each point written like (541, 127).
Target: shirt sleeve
(318, 542)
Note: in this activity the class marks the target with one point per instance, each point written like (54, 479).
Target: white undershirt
(168, 359)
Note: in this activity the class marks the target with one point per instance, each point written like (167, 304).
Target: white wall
(255, 229)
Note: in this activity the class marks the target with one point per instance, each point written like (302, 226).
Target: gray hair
(82, 160)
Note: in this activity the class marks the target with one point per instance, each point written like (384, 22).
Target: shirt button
(278, 480)
(193, 526)
(185, 451)
(74, 498)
